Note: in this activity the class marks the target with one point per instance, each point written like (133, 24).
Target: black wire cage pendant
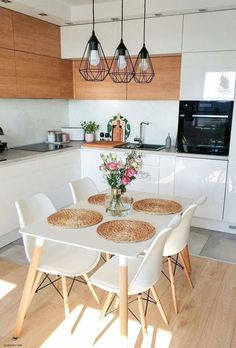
(94, 66)
(121, 69)
(143, 69)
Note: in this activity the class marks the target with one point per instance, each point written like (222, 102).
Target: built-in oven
(204, 127)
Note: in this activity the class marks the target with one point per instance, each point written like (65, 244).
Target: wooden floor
(207, 317)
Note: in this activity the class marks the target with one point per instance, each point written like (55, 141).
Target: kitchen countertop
(14, 156)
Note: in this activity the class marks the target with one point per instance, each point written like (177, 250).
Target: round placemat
(75, 218)
(157, 206)
(99, 199)
(129, 231)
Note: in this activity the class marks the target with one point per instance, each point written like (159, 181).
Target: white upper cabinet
(74, 38)
(202, 177)
(213, 31)
(163, 35)
(208, 76)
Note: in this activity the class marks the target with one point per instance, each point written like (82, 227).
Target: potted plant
(90, 129)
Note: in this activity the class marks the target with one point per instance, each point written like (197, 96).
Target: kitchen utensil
(75, 133)
(126, 130)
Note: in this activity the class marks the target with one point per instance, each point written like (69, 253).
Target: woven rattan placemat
(75, 218)
(157, 206)
(130, 231)
(99, 199)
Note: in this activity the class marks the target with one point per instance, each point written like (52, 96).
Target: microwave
(204, 127)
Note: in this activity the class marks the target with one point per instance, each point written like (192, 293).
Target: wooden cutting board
(103, 144)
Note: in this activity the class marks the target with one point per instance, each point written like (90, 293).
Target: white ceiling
(79, 11)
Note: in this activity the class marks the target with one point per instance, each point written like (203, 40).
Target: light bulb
(121, 64)
(94, 58)
(143, 65)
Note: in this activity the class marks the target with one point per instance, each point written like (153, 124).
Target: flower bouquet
(119, 174)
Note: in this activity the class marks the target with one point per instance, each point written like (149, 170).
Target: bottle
(102, 135)
(107, 137)
(168, 142)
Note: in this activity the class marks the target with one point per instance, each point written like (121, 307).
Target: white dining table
(88, 238)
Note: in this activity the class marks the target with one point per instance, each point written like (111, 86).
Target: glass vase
(116, 204)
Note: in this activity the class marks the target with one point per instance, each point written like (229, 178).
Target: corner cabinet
(6, 29)
(195, 177)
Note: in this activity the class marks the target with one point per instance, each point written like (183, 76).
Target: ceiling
(64, 12)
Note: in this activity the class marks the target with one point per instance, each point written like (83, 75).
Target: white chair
(176, 243)
(143, 273)
(56, 259)
(83, 188)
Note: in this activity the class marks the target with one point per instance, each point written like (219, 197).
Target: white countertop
(14, 156)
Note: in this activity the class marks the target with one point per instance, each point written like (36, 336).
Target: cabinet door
(208, 76)
(230, 198)
(163, 35)
(106, 89)
(6, 29)
(197, 177)
(7, 74)
(91, 161)
(212, 31)
(107, 34)
(166, 175)
(36, 36)
(165, 85)
(148, 179)
(37, 76)
(66, 79)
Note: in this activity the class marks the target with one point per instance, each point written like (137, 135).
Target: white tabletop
(88, 237)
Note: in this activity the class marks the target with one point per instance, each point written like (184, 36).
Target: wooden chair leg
(34, 288)
(65, 296)
(106, 305)
(91, 288)
(186, 257)
(172, 283)
(159, 305)
(108, 256)
(57, 284)
(186, 271)
(117, 303)
(142, 316)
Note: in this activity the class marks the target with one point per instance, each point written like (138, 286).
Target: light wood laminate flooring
(207, 317)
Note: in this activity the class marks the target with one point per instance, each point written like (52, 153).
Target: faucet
(140, 138)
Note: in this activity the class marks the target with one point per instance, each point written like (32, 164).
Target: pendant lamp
(121, 69)
(143, 69)
(93, 66)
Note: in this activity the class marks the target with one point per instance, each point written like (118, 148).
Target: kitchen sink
(151, 147)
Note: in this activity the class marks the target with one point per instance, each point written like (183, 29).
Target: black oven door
(205, 130)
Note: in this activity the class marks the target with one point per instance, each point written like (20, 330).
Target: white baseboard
(220, 226)
(9, 238)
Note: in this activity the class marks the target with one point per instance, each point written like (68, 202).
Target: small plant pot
(89, 137)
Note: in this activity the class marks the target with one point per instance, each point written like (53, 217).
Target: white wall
(162, 115)
(26, 121)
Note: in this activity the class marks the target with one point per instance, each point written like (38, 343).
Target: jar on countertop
(51, 136)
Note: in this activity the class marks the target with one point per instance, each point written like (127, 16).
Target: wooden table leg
(28, 287)
(123, 281)
(185, 255)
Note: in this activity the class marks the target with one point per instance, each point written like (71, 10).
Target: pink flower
(112, 165)
(125, 180)
(130, 172)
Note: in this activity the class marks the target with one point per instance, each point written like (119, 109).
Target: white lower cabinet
(230, 197)
(166, 175)
(50, 174)
(197, 177)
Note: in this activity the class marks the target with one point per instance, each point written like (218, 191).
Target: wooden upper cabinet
(7, 74)
(35, 36)
(165, 85)
(103, 90)
(37, 76)
(66, 79)
(6, 29)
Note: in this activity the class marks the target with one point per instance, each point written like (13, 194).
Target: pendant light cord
(93, 15)
(122, 18)
(144, 22)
